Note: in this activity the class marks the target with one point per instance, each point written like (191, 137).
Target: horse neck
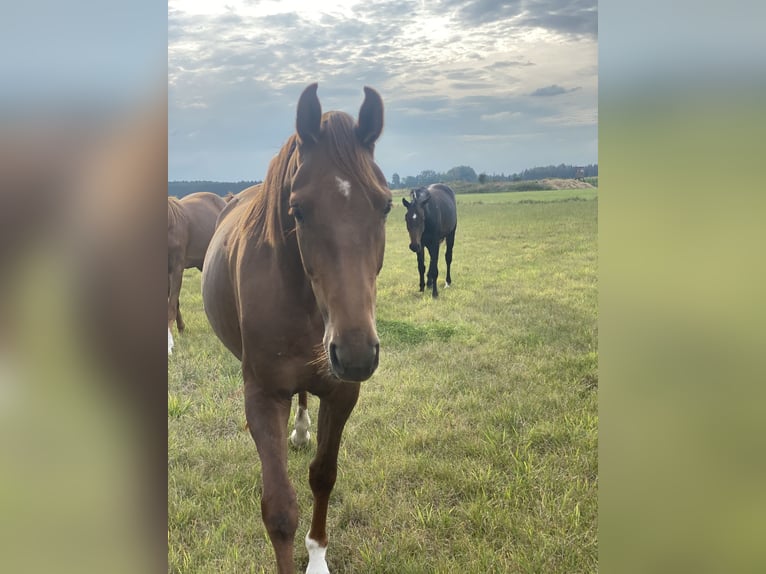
(267, 219)
(430, 216)
(176, 215)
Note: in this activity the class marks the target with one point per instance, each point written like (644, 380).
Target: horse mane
(264, 219)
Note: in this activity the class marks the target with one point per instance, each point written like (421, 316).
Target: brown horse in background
(191, 223)
(289, 286)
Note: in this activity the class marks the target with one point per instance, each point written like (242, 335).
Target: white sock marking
(343, 186)
(301, 435)
(317, 562)
(171, 344)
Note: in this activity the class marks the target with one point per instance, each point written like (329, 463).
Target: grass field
(473, 448)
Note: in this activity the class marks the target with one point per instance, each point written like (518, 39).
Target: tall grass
(473, 448)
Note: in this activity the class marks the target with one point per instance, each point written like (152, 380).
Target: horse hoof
(300, 440)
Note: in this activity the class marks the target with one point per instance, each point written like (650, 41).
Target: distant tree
(427, 177)
(465, 173)
(395, 181)
(461, 173)
(482, 178)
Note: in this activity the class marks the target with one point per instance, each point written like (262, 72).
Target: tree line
(426, 177)
(468, 174)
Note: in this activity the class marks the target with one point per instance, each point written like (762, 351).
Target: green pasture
(515, 196)
(473, 448)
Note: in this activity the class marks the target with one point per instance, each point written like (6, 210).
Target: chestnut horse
(191, 222)
(289, 286)
(431, 218)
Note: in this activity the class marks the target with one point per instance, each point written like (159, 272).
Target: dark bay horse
(431, 218)
(289, 286)
(191, 222)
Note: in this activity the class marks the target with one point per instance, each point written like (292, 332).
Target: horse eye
(387, 209)
(296, 212)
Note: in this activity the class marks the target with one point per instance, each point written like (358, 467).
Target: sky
(500, 86)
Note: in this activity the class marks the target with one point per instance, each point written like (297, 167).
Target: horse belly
(218, 296)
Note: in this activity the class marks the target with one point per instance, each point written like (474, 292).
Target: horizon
(402, 177)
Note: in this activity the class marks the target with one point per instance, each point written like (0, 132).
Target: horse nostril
(377, 355)
(334, 355)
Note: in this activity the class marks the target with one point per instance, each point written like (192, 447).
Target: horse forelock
(264, 219)
(349, 156)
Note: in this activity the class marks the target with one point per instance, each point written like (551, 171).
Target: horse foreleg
(334, 410)
(301, 436)
(267, 418)
(433, 269)
(448, 256)
(421, 268)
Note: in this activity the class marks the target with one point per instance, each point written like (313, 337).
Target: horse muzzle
(414, 247)
(354, 361)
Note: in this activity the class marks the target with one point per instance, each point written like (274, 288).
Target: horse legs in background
(448, 256)
(433, 269)
(174, 310)
(301, 436)
(175, 277)
(179, 320)
(421, 268)
(267, 418)
(334, 410)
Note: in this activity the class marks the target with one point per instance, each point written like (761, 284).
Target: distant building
(580, 173)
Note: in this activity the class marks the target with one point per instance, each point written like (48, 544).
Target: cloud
(475, 12)
(444, 68)
(499, 116)
(578, 17)
(553, 90)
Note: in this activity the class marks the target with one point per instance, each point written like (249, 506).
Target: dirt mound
(556, 183)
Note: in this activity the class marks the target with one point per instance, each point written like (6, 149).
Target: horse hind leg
(179, 320)
(300, 437)
(448, 256)
(171, 343)
(175, 280)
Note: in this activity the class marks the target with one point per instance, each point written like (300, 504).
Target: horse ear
(406, 203)
(370, 124)
(309, 119)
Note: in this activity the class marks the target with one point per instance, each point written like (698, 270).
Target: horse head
(416, 216)
(339, 200)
